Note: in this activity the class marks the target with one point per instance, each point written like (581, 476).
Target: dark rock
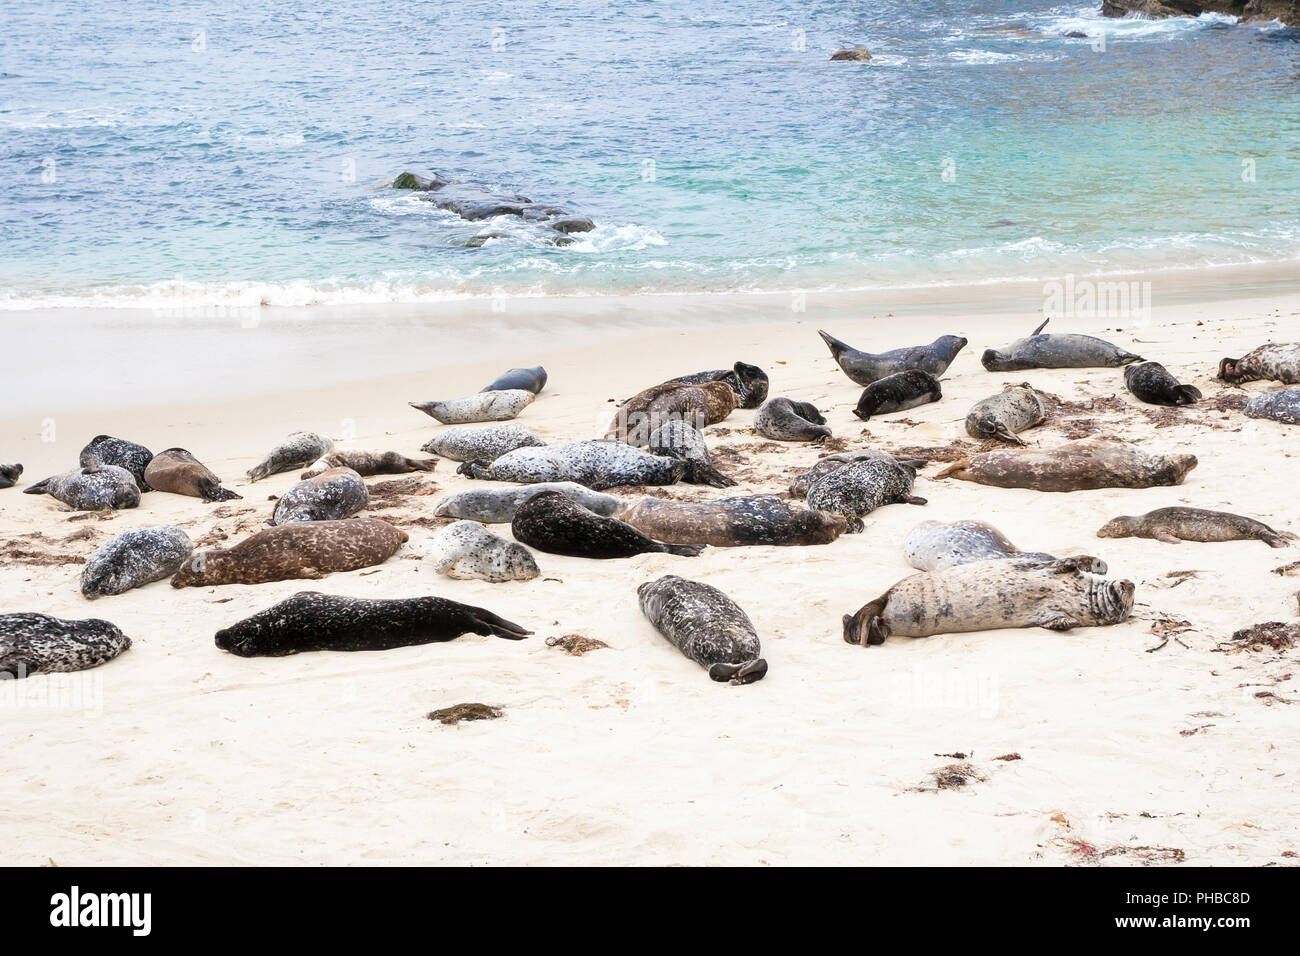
(856, 56)
(475, 203)
(1287, 11)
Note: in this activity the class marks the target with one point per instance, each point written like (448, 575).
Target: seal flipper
(421, 464)
(699, 473)
(1041, 327)
(915, 500)
(40, 488)
(486, 623)
(1006, 434)
(746, 673)
(681, 550)
(478, 468)
(1276, 539)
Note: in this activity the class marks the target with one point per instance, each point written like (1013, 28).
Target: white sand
(180, 753)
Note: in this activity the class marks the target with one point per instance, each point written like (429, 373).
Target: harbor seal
(596, 463)
(497, 505)
(495, 406)
(1272, 362)
(106, 450)
(698, 405)
(1282, 405)
(677, 439)
(824, 466)
(1176, 525)
(933, 545)
(555, 523)
(311, 621)
(782, 419)
(370, 463)
(467, 550)
(736, 522)
(1075, 466)
(9, 475)
(1151, 382)
(860, 488)
(177, 472)
(897, 392)
(749, 382)
(330, 496)
(300, 550)
(1039, 350)
(986, 595)
(40, 644)
(865, 368)
(705, 625)
(135, 558)
(485, 442)
(298, 450)
(91, 489)
(1002, 416)
(529, 379)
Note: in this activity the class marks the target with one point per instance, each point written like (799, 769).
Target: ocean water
(240, 153)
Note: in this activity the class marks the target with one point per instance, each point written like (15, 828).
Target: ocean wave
(1061, 21)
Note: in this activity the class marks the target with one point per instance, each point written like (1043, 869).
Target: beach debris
(455, 714)
(1288, 569)
(954, 776)
(576, 644)
(1272, 634)
(1010, 756)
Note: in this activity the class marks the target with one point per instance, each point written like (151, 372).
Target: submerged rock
(856, 56)
(475, 203)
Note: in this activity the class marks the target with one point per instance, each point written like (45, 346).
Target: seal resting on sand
(897, 392)
(467, 550)
(1176, 525)
(596, 463)
(863, 486)
(557, 524)
(298, 450)
(1048, 350)
(1004, 415)
(106, 450)
(736, 522)
(645, 412)
(9, 475)
(1074, 466)
(1273, 362)
(783, 419)
(332, 495)
(91, 489)
(706, 626)
(529, 379)
(1280, 406)
(177, 472)
(494, 406)
(824, 466)
(481, 442)
(865, 368)
(370, 463)
(677, 439)
(933, 545)
(496, 505)
(748, 381)
(1151, 382)
(40, 644)
(986, 595)
(135, 558)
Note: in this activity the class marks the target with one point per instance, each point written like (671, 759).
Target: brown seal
(1074, 466)
(180, 473)
(1175, 525)
(732, 522)
(698, 405)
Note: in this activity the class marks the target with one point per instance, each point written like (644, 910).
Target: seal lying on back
(677, 439)
(1003, 415)
(106, 450)
(134, 558)
(330, 496)
(529, 379)
(706, 626)
(865, 368)
(91, 489)
(40, 644)
(1056, 351)
(370, 463)
(596, 463)
(486, 442)
(749, 382)
(985, 595)
(297, 451)
(9, 475)
(1151, 382)
(698, 405)
(303, 549)
(1273, 362)
(785, 420)
(932, 545)
(467, 550)
(1175, 525)
(1074, 466)
(311, 621)
(178, 472)
(495, 406)
(496, 505)
(824, 466)
(1281, 406)
(734, 522)
(897, 392)
(557, 524)
(862, 487)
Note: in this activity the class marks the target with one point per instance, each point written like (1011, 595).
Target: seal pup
(699, 405)
(311, 621)
(1151, 382)
(1075, 466)
(596, 463)
(332, 495)
(91, 489)
(749, 382)
(783, 419)
(106, 450)
(370, 463)
(933, 545)
(497, 505)
(40, 644)
(1280, 406)
(1048, 350)
(1176, 525)
(865, 368)
(736, 522)
(706, 626)
(1002, 416)
(467, 550)
(897, 392)
(298, 450)
(135, 558)
(824, 466)
(529, 379)
(300, 550)
(495, 406)
(9, 475)
(557, 524)
(679, 440)
(1272, 362)
(177, 472)
(986, 595)
(863, 486)
(485, 442)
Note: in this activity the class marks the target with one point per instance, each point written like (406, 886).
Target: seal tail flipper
(682, 550)
(487, 623)
(915, 500)
(422, 464)
(40, 488)
(1188, 394)
(699, 473)
(478, 468)
(426, 407)
(224, 494)
(1041, 327)
(1276, 539)
(746, 673)
(1006, 434)
(837, 347)
(1128, 358)
(955, 469)
(1075, 562)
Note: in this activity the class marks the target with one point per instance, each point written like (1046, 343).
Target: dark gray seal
(680, 440)
(1273, 362)
(865, 368)
(481, 442)
(178, 472)
(106, 450)
(1014, 409)
(933, 545)
(1152, 383)
(736, 522)
(370, 463)
(748, 381)
(135, 558)
(555, 523)
(897, 392)
(296, 451)
(311, 621)
(330, 496)
(9, 475)
(40, 644)
(467, 550)
(496, 505)
(91, 489)
(824, 466)
(1280, 406)
(1075, 466)
(596, 463)
(783, 419)
(1175, 525)
(529, 379)
(1056, 351)
(706, 626)
(863, 486)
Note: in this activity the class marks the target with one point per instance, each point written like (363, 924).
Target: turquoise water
(242, 155)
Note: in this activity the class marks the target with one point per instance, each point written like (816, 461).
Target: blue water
(712, 141)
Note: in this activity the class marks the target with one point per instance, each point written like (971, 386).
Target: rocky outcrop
(855, 55)
(474, 204)
(1246, 11)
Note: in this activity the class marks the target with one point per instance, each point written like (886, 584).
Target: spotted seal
(1074, 466)
(311, 621)
(596, 463)
(677, 439)
(177, 472)
(555, 523)
(495, 406)
(824, 466)
(481, 442)
(91, 489)
(1152, 383)
(370, 463)
(466, 550)
(9, 475)
(749, 382)
(735, 522)
(106, 450)
(933, 545)
(898, 392)
(705, 625)
(331, 495)
(1175, 525)
(699, 405)
(865, 368)
(783, 419)
(497, 505)
(860, 488)
(1272, 362)
(40, 644)
(528, 379)
(1282, 405)
(1014, 409)
(1048, 350)
(985, 595)
(298, 450)
(135, 558)
(299, 550)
